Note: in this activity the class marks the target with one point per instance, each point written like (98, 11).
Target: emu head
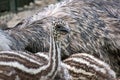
(55, 26)
(60, 28)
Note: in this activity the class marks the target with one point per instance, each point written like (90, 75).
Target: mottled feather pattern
(95, 28)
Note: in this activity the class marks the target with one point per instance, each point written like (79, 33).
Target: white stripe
(95, 59)
(21, 55)
(17, 65)
(45, 55)
(77, 70)
(82, 61)
(53, 58)
(107, 67)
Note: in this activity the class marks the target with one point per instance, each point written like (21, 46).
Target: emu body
(95, 29)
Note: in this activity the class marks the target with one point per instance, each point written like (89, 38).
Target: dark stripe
(35, 57)
(56, 60)
(87, 58)
(79, 65)
(77, 75)
(14, 58)
(52, 60)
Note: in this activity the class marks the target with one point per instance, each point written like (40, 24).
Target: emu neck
(55, 50)
(54, 57)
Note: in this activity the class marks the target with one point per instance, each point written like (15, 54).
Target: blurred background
(13, 11)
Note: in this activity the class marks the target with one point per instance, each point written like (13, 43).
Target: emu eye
(58, 26)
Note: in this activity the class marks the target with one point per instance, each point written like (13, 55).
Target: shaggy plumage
(18, 65)
(33, 35)
(95, 29)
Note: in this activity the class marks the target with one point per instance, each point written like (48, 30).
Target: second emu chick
(83, 66)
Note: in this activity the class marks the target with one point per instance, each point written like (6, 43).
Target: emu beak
(64, 30)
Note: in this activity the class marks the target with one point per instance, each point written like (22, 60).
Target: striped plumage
(63, 73)
(82, 66)
(95, 28)
(18, 65)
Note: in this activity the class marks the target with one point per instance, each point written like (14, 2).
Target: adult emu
(95, 28)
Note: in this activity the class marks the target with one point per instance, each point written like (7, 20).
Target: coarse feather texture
(18, 38)
(19, 65)
(95, 28)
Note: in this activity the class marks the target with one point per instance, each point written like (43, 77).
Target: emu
(95, 29)
(83, 66)
(18, 65)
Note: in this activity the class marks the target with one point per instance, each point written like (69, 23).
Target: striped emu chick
(23, 66)
(83, 66)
